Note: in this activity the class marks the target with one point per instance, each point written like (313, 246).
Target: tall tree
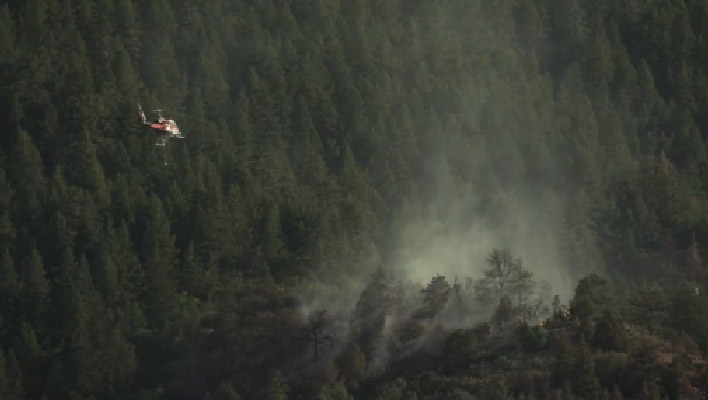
(504, 271)
(651, 304)
(158, 258)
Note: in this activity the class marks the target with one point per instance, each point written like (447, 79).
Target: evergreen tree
(158, 260)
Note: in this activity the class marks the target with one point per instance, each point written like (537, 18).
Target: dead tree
(314, 332)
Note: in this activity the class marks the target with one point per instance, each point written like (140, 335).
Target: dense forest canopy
(375, 199)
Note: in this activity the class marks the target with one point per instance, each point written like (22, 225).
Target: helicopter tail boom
(141, 114)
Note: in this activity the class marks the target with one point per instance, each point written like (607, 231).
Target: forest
(374, 199)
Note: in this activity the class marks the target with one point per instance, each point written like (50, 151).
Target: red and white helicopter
(164, 128)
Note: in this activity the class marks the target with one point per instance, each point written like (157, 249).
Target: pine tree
(601, 67)
(651, 304)
(35, 289)
(159, 260)
(106, 277)
(88, 173)
(128, 28)
(436, 295)
(306, 146)
(11, 290)
(10, 377)
(7, 33)
(26, 171)
(584, 379)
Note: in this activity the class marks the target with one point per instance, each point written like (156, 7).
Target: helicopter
(164, 128)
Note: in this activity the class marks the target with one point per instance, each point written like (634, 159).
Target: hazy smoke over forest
(366, 199)
(454, 235)
(466, 202)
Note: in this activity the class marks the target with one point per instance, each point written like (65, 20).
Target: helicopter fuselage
(166, 127)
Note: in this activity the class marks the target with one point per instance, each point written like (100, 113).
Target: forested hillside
(375, 199)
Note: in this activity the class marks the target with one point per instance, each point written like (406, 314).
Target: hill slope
(323, 139)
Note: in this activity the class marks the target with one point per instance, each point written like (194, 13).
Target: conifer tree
(158, 259)
(25, 168)
(35, 289)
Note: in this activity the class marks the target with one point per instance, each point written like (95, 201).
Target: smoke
(454, 233)
(380, 356)
(449, 228)
(473, 196)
